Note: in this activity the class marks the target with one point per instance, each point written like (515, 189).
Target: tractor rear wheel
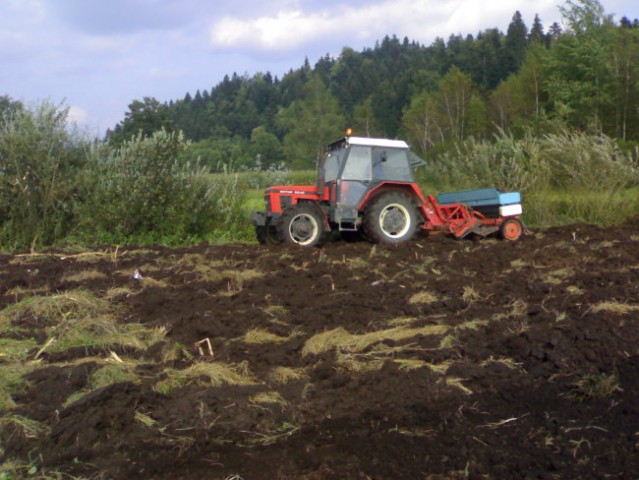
(301, 224)
(511, 229)
(390, 218)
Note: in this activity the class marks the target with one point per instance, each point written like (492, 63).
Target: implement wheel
(511, 229)
(301, 224)
(390, 218)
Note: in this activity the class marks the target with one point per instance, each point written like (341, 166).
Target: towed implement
(366, 188)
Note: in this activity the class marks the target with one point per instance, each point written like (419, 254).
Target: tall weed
(564, 178)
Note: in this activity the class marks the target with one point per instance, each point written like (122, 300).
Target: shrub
(141, 191)
(39, 159)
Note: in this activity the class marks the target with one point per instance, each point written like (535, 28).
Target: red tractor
(366, 188)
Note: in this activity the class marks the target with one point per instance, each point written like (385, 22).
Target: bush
(142, 192)
(39, 161)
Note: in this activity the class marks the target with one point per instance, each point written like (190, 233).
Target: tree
(520, 98)
(536, 35)
(266, 149)
(583, 16)
(580, 86)
(364, 121)
(311, 123)
(444, 114)
(514, 48)
(625, 72)
(145, 117)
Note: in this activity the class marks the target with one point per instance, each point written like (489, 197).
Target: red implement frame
(456, 219)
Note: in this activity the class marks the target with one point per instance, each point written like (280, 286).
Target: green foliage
(312, 122)
(564, 178)
(143, 118)
(142, 190)
(219, 154)
(39, 160)
(450, 113)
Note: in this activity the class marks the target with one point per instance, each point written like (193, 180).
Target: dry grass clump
(592, 386)
(556, 277)
(470, 295)
(409, 364)
(505, 361)
(58, 308)
(283, 375)
(614, 307)
(457, 383)
(77, 319)
(346, 342)
(276, 311)
(518, 263)
(422, 297)
(115, 292)
(115, 370)
(574, 290)
(472, 325)
(26, 427)
(12, 382)
(84, 276)
(259, 336)
(16, 350)
(268, 398)
(211, 374)
(401, 321)
(518, 308)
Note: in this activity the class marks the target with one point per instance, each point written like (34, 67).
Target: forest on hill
(584, 77)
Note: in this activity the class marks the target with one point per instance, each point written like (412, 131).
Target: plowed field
(437, 359)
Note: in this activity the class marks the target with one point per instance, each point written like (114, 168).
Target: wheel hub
(303, 228)
(394, 221)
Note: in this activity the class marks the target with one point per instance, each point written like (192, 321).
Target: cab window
(358, 164)
(331, 165)
(391, 164)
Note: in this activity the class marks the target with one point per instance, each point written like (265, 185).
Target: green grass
(553, 207)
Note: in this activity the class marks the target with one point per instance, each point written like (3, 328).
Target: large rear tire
(390, 219)
(302, 224)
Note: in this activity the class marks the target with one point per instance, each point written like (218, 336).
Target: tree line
(584, 78)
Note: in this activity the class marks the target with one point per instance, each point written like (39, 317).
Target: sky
(97, 56)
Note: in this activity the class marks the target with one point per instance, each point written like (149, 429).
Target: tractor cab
(353, 166)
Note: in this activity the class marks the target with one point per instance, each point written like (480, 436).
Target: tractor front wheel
(511, 229)
(301, 225)
(390, 218)
(266, 235)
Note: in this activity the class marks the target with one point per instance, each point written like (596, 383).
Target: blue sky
(97, 56)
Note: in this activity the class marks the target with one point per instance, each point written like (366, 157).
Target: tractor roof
(376, 142)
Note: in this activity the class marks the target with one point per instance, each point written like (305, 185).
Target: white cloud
(284, 31)
(77, 115)
(418, 20)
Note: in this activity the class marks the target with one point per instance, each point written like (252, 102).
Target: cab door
(356, 177)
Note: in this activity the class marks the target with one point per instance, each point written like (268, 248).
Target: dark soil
(534, 373)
